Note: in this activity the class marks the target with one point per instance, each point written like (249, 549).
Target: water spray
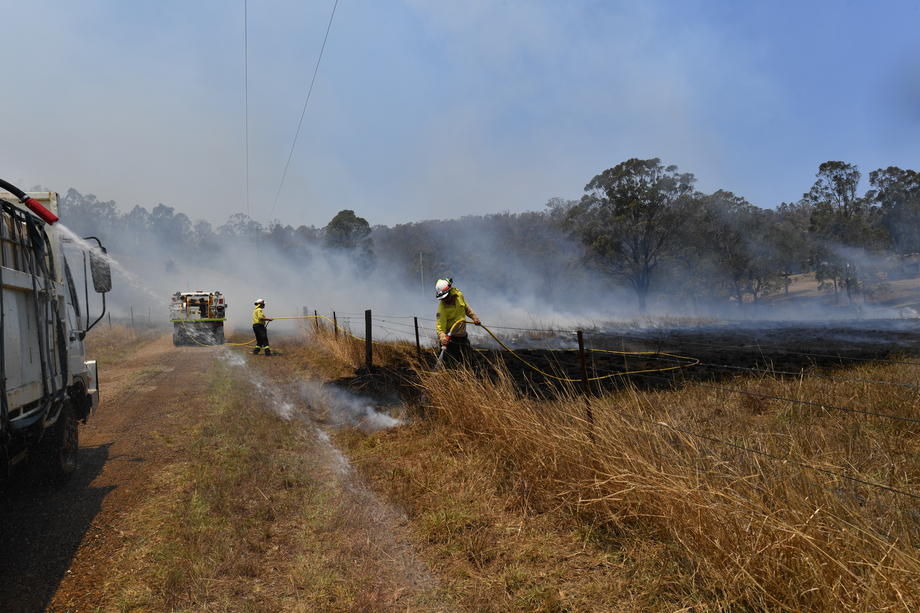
(443, 351)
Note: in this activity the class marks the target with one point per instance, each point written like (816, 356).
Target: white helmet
(442, 288)
(260, 301)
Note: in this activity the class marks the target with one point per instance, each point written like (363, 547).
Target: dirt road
(57, 544)
(55, 541)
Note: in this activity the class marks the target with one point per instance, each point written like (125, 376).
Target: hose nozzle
(35, 206)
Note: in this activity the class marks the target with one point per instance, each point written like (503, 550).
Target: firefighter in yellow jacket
(258, 327)
(451, 319)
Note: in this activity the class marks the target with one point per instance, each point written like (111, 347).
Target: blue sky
(427, 109)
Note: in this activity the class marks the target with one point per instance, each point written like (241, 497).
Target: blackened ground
(722, 352)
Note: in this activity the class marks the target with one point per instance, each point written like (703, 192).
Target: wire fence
(406, 325)
(777, 349)
(399, 327)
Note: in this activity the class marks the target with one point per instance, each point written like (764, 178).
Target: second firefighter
(258, 327)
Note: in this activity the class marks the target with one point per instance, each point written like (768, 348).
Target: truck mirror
(102, 274)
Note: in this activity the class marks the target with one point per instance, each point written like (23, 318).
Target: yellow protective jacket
(450, 314)
(258, 315)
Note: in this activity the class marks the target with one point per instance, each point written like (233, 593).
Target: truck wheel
(60, 446)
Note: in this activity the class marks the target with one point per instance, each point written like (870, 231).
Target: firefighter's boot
(257, 350)
(268, 351)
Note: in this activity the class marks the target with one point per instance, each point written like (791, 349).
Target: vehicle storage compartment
(46, 384)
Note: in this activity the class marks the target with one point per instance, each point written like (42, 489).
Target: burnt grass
(723, 352)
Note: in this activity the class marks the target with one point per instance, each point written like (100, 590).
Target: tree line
(643, 222)
(640, 225)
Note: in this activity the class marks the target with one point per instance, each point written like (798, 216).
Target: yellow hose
(690, 361)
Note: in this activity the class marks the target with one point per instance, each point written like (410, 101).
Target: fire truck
(46, 384)
(198, 318)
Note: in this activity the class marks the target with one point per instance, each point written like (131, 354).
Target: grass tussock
(735, 530)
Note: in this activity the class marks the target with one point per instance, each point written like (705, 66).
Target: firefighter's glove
(476, 321)
(443, 338)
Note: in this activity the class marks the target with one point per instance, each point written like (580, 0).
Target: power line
(246, 97)
(303, 112)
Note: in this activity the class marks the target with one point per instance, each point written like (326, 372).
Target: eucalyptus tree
(628, 219)
(897, 192)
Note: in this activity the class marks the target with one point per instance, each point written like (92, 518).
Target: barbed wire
(347, 317)
(716, 440)
(762, 348)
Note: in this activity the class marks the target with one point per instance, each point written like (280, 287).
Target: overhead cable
(303, 112)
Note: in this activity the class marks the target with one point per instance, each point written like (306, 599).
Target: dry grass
(107, 344)
(248, 519)
(347, 350)
(529, 507)
(491, 555)
(742, 531)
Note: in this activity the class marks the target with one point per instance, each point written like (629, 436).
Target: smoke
(343, 408)
(515, 270)
(314, 401)
(314, 404)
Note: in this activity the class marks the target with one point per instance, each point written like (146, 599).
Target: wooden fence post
(315, 321)
(368, 341)
(589, 414)
(335, 326)
(418, 344)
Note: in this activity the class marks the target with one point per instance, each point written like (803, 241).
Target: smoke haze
(435, 110)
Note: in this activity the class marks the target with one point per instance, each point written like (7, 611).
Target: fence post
(315, 321)
(418, 344)
(335, 326)
(368, 342)
(589, 414)
(110, 319)
(132, 316)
